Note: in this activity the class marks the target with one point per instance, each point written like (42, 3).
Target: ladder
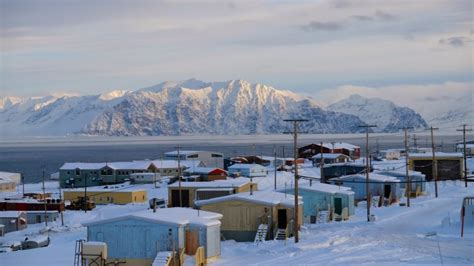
(280, 234)
(78, 253)
(323, 217)
(162, 258)
(261, 233)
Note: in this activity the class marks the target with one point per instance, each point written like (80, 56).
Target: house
(243, 213)
(418, 185)
(330, 158)
(31, 205)
(207, 173)
(145, 178)
(7, 185)
(348, 149)
(34, 217)
(342, 169)
(136, 238)
(384, 186)
(191, 191)
(469, 149)
(112, 194)
(323, 197)
(208, 158)
(95, 174)
(248, 170)
(390, 154)
(13, 220)
(251, 159)
(15, 177)
(450, 165)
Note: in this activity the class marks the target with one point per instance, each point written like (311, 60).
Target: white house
(208, 158)
(248, 170)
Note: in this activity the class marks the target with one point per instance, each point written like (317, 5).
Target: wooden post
(464, 151)
(367, 169)
(434, 162)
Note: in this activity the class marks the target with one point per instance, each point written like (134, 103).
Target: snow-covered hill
(193, 107)
(385, 114)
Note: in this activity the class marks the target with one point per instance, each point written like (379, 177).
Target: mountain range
(196, 107)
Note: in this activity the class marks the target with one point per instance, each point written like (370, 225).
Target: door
(282, 218)
(387, 190)
(338, 205)
(184, 198)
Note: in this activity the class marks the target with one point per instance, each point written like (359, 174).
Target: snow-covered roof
(246, 166)
(83, 166)
(5, 180)
(10, 214)
(326, 188)
(329, 155)
(372, 177)
(108, 188)
(400, 173)
(191, 164)
(167, 164)
(344, 164)
(177, 216)
(270, 198)
(468, 145)
(202, 170)
(454, 155)
(133, 165)
(228, 183)
(340, 145)
(8, 175)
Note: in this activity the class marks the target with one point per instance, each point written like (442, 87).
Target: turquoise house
(136, 238)
(322, 197)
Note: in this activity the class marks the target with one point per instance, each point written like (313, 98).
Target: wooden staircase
(323, 217)
(280, 234)
(261, 233)
(163, 258)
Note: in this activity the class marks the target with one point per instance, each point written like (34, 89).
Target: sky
(93, 46)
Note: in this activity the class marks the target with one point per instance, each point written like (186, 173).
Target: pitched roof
(372, 177)
(270, 198)
(326, 188)
(227, 183)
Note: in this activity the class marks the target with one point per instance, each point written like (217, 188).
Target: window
(193, 156)
(78, 171)
(143, 197)
(216, 155)
(68, 172)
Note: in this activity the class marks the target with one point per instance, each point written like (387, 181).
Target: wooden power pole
(434, 163)
(275, 166)
(295, 147)
(321, 165)
(407, 173)
(367, 167)
(179, 177)
(464, 151)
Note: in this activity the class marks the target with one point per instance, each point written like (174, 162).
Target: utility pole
(415, 138)
(407, 177)
(60, 203)
(464, 151)
(275, 164)
(295, 147)
(367, 167)
(85, 193)
(179, 177)
(23, 184)
(45, 207)
(321, 165)
(434, 163)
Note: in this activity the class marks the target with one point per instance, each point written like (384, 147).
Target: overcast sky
(92, 46)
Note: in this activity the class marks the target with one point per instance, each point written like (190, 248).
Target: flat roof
(132, 165)
(329, 155)
(227, 183)
(326, 188)
(177, 216)
(246, 166)
(10, 214)
(372, 177)
(270, 198)
(107, 188)
(442, 155)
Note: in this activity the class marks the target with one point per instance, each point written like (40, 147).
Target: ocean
(33, 156)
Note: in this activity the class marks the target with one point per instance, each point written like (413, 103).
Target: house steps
(162, 258)
(323, 217)
(261, 234)
(280, 234)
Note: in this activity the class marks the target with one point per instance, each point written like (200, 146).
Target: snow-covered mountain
(193, 107)
(385, 114)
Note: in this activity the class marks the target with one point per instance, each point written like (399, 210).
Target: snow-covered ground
(426, 233)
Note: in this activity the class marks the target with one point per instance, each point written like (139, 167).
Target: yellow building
(450, 165)
(191, 191)
(243, 213)
(109, 195)
(7, 185)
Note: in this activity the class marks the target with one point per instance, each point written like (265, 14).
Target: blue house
(417, 180)
(137, 237)
(379, 185)
(248, 170)
(322, 197)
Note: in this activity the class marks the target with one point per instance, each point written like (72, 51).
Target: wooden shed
(13, 220)
(136, 238)
(244, 212)
(325, 197)
(191, 191)
(450, 165)
(386, 187)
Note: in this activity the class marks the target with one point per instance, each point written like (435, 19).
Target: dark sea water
(32, 157)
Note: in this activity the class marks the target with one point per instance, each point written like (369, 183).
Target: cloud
(384, 16)
(363, 18)
(456, 41)
(322, 26)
